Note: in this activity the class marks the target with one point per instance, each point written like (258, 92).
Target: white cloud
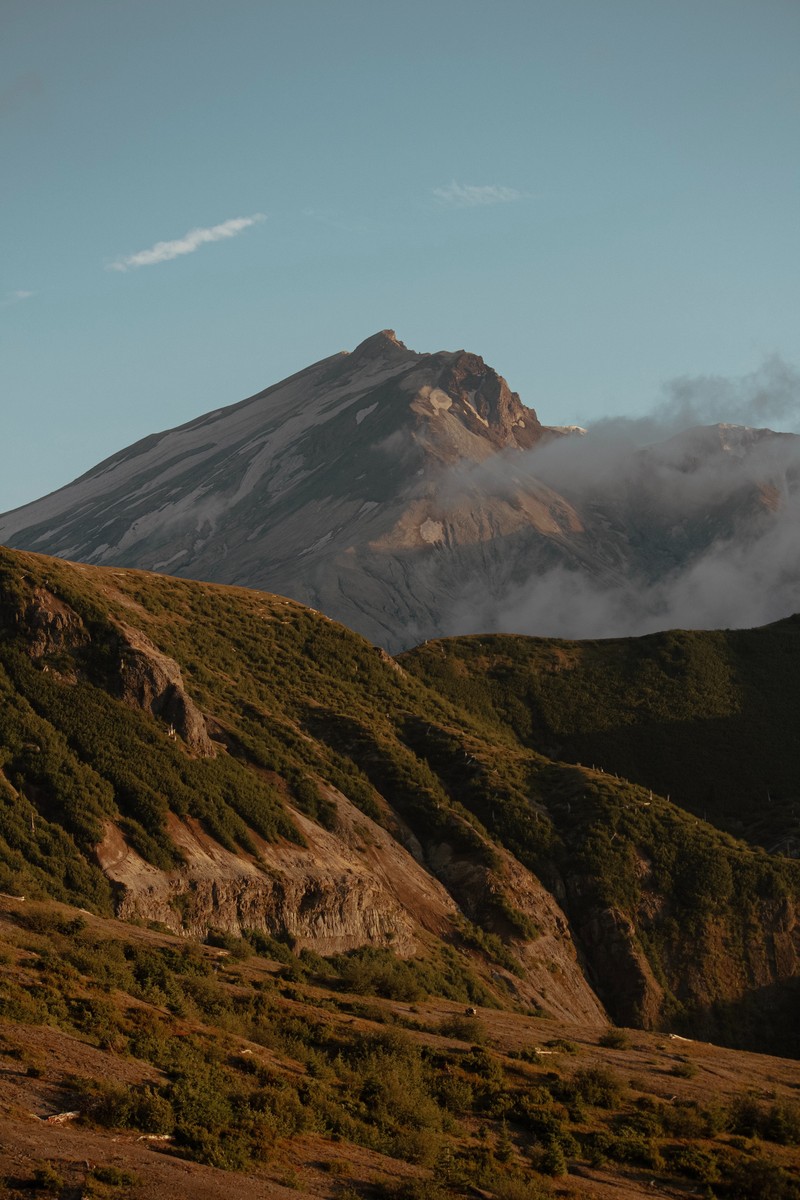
(191, 241)
(468, 195)
(16, 297)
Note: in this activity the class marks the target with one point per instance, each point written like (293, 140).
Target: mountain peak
(382, 345)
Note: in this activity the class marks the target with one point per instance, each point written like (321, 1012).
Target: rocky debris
(54, 627)
(485, 394)
(152, 681)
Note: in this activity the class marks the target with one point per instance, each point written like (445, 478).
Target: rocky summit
(414, 495)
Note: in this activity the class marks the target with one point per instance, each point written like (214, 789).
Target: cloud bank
(191, 241)
(768, 396)
(691, 518)
(468, 195)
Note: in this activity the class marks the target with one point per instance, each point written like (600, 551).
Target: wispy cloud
(469, 195)
(191, 241)
(16, 297)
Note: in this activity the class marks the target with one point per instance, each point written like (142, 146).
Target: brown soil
(38, 1062)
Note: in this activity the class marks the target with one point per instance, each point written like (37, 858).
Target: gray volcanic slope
(407, 495)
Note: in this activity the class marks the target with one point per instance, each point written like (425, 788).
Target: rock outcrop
(54, 627)
(152, 681)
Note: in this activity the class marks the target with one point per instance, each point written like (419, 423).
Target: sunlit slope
(208, 757)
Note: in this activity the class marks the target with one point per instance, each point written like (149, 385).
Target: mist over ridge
(705, 496)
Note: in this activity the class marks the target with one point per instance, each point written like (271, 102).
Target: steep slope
(325, 487)
(211, 757)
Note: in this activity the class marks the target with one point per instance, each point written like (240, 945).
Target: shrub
(782, 1123)
(465, 1029)
(46, 1176)
(760, 1179)
(615, 1039)
(695, 1162)
(553, 1161)
(631, 1146)
(596, 1086)
(562, 1044)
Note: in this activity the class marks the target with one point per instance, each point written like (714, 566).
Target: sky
(601, 197)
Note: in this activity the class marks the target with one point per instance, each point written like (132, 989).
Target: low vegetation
(236, 1065)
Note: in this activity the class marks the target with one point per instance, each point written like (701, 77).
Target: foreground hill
(138, 1064)
(414, 495)
(212, 758)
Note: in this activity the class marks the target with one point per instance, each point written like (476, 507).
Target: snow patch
(318, 544)
(364, 412)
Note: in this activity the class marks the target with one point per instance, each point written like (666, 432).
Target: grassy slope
(283, 1072)
(709, 718)
(304, 700)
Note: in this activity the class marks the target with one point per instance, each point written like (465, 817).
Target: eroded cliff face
(480, 391)
(554, 979)
(620, 967)
(152, 681)
(349, 888)
(143, 676)
(54, 627)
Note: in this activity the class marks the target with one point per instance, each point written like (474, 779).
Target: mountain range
(414, 495)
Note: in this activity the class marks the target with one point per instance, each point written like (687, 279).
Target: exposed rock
(152, 681)
(553, 977)
(54, 626)
(340, 891)
(483, 392)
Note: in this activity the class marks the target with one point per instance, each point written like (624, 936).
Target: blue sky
(598, 196)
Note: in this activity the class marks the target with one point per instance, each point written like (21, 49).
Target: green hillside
(673, 922)
(711, 719)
